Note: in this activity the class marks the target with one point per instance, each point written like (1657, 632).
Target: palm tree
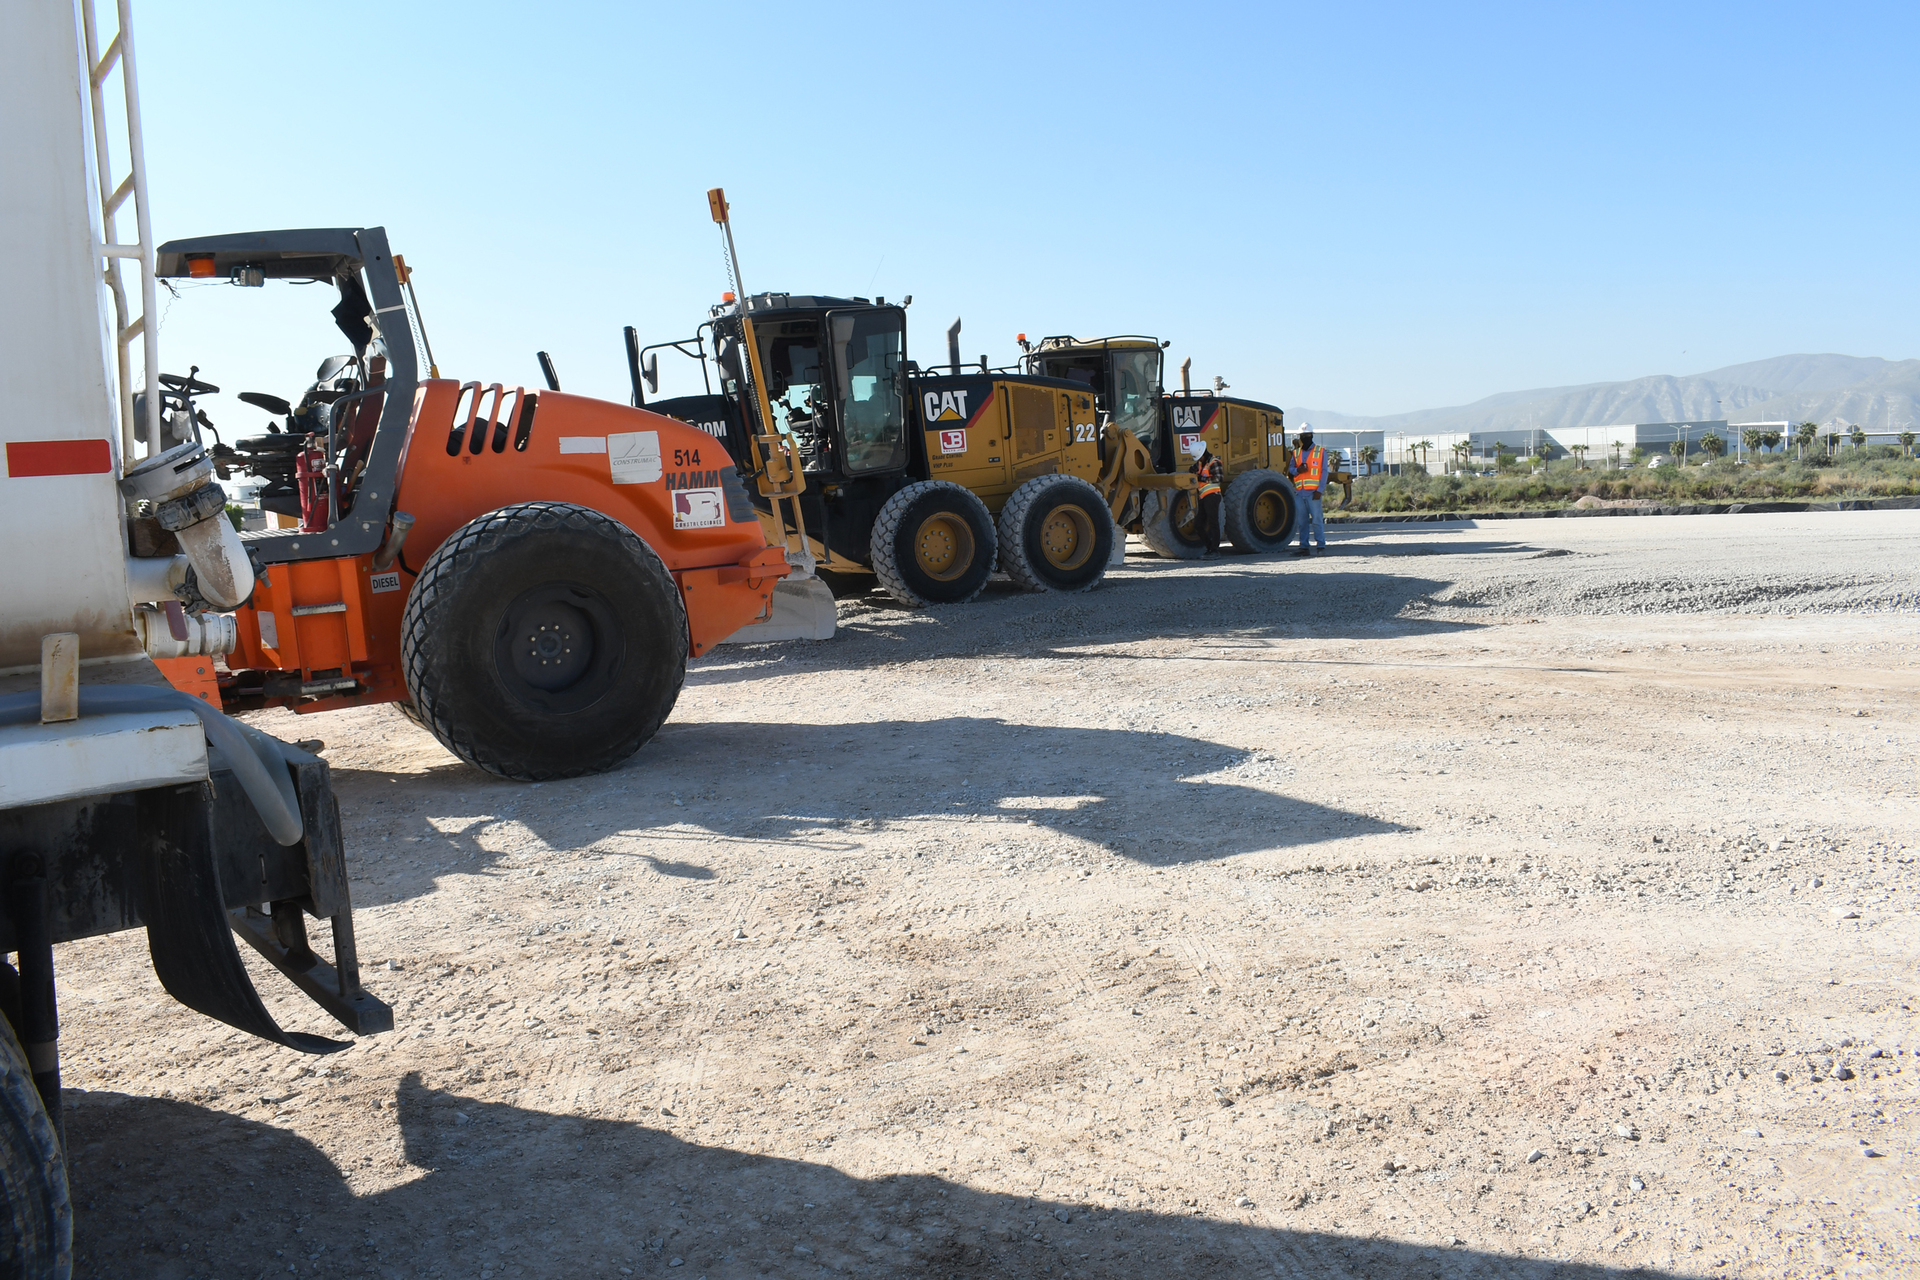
(1618, 445)
(1770, 440)
(1542, 451)
(1806, 433)
(1712, 445)
(1906, 442)
(1461, 448)
(1366, 453)
(1579, 452)
(1679, 451)
(1423, 448)
(1833, 442)
(1858, 435)
(1751, 438)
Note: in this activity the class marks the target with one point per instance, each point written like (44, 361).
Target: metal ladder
(100, 67)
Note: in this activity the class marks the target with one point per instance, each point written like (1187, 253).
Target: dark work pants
(1210, 521)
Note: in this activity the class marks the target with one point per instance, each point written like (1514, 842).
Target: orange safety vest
(1209, 473)
(1309, 468)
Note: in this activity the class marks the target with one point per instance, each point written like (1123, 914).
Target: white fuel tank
(62, 532)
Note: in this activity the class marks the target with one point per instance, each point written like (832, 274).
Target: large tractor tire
(1056, 535)
(36, 1217)
(1170, 523)
(1257, 511)
(544, 640)
(933, 543)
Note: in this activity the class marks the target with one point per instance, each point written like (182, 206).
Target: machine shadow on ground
(1222, 601)
(505, 1192)
(1133, 793)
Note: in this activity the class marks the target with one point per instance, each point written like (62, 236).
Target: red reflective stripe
(58, 457)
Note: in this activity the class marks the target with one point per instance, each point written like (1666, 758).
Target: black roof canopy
(323, 253)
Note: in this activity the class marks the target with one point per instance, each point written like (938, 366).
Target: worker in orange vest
(1206, 468)
(1309, 472)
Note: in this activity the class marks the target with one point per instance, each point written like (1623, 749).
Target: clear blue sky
(1352, 207)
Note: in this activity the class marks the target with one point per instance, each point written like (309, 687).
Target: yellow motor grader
(1248, 436)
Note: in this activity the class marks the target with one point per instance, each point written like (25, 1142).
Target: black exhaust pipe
(953, 346)
(547, 371)
(633, 366)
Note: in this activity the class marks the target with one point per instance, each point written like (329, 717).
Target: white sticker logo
(634, 457)
(1187, 443)
(698, 509)
(945, 406)
(1186, 417)
(269, 631)
(386, 581)
(953, 441)
(583, 444)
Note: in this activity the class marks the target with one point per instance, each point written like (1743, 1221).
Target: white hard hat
(1196, 446)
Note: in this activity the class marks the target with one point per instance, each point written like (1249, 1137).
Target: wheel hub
(551, 641)
(943, 547)
(1269, 517)
(1066, 537)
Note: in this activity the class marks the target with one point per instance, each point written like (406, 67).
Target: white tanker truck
(123, 803)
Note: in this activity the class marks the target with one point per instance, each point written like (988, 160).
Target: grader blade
(800, 610)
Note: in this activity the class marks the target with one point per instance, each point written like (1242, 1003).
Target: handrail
(101, 65)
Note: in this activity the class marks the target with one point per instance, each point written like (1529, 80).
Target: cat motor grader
(1257, 508)
(866, 463)
(526, 572)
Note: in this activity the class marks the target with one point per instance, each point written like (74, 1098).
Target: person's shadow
(173, 1190)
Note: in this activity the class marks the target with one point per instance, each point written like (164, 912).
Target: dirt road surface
(1530, 900)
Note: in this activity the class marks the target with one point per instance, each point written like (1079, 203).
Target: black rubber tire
(1246, 509)
(941, 510)
(1170, 523)
(562, 573)
(1055, 507)
(36, 1215)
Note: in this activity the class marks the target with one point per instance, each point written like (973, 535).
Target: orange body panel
(472, 450)
(192, 676)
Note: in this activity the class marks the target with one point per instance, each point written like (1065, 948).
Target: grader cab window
(868, 348)
(1136, 392)
(796, 386)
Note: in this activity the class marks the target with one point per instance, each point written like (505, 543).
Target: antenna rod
(717, 205)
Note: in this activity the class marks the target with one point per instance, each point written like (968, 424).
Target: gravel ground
(1527, 900)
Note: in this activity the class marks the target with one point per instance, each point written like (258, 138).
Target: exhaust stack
(953, 346)
(1186, 374)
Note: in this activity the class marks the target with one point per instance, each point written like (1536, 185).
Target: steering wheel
(189, 384)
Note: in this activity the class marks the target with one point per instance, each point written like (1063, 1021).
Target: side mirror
(650, 370)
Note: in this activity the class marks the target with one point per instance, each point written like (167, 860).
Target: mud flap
(800, 610)
(188, 935)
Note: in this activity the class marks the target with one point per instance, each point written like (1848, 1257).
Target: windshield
(1136, 392)
(868, 346)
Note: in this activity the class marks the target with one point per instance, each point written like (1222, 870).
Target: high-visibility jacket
(1310, 469)
(1208, 469)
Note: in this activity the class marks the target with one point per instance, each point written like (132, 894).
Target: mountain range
(1880, 395)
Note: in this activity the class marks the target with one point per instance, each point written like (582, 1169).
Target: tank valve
(191, 506)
